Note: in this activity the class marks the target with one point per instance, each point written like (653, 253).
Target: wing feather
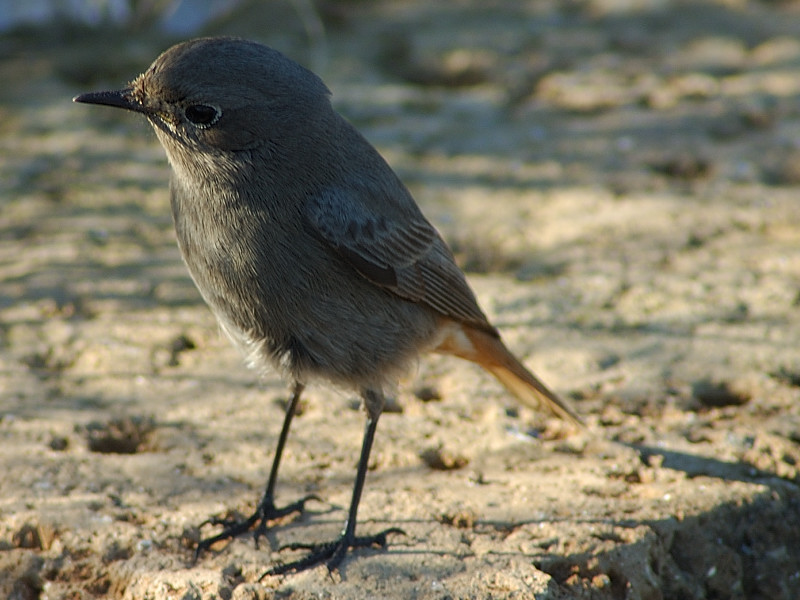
(402, 253)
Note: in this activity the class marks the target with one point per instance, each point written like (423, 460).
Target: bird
(309, 250)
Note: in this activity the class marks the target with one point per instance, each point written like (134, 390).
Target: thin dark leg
(333, 552)
(269, 493)
(266, 510)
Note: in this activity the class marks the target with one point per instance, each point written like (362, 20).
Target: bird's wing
(402, 253)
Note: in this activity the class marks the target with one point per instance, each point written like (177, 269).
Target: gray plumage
(305, 244)
(287, 238)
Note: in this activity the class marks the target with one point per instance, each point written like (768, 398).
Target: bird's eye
(202, 115)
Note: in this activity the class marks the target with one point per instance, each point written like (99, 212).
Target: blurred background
(618, 96)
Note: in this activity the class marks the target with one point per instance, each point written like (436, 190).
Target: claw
(299, 507)
(330, 553)
(265, 513)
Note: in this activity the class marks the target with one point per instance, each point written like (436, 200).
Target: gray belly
(328, 322)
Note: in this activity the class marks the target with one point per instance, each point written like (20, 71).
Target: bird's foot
(330, 553)
(264, 513)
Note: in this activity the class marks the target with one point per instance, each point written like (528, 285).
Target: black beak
(119, 98)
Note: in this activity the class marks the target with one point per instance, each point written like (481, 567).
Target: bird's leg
(332, 553)
(266, 510)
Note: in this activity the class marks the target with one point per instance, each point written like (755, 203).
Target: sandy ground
(619, 179)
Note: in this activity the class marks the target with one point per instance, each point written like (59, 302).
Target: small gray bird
(309, 250)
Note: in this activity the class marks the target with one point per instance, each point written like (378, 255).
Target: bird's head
(221, 95)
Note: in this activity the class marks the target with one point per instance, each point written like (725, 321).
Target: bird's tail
(487, 350)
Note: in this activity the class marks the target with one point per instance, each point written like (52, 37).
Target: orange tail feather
(488, 351)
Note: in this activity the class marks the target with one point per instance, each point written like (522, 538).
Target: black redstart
(309, 250)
